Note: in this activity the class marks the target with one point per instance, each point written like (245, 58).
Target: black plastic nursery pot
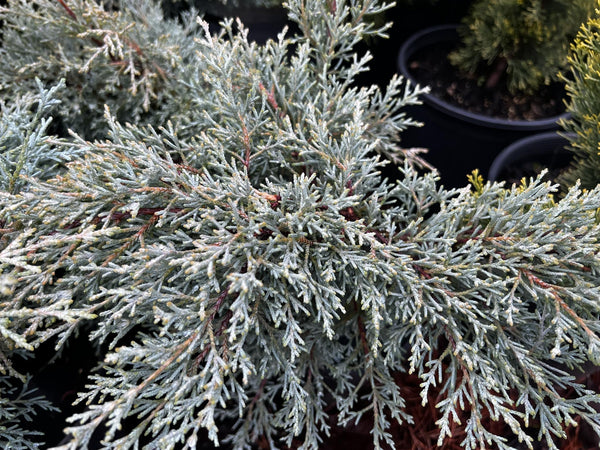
(458, 141)
(412, 16)
(528, 156)
(407, 17)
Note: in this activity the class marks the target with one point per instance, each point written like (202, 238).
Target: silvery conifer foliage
(266, 270)
(24, 152)
(24, 149)
(120, 53)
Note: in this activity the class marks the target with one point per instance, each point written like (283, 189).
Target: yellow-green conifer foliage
(525, 40)
(583, 88)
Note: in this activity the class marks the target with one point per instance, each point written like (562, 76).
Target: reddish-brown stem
(273, 199)
(120, 216)
(333, 6)
(146, 226)
(423, 272)
(361, 330)
(181, 167)
(68, 10)
(379, 235)
(224, 323)
(219, 332)
(559, 301)
(350, 187)
(258, 394)
(497, 73)
(270, 95)
(263, 234)
(349, 214)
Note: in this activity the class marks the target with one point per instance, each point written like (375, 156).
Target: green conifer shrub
(583, 89)
(262, 269)
(525, 40)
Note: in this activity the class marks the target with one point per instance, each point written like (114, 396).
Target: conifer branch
(239, 252)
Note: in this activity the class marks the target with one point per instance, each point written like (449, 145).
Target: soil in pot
(431, 67)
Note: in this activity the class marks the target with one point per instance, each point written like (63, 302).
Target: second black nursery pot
(528, 156)
(458, 141)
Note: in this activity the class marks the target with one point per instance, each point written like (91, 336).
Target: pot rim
(439, 33)
(534, 145)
